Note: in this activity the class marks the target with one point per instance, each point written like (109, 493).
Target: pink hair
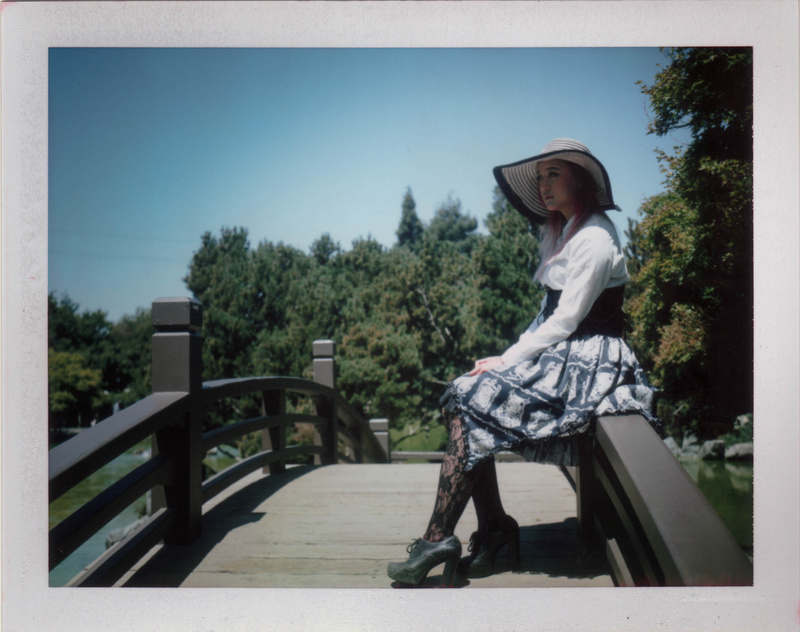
(587, 205)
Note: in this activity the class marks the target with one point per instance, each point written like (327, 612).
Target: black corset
(606, 317)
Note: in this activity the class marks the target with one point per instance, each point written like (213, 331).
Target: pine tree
(409, 232)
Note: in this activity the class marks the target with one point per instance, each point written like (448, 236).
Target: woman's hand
(487, 364)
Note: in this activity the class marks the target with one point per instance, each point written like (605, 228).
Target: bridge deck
(338, 526)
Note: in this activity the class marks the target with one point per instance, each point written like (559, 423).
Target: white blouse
(589, 263)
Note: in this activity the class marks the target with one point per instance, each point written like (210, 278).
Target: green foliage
(505, 263)
(324, 249)
(75, 388)
(690, 257)
(413, 438)
(128, 368)
(710, 92)
(221, 277)
(449, 224)
(405, 320)
(378, 367)
(94, 364)
(742, 431)
(409, 232)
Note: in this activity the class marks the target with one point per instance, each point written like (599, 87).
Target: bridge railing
(172, 418)
(657, 527)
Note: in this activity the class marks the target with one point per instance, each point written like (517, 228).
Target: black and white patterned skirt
(539, 407)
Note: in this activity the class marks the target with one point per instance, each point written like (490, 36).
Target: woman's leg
(455, 485)
(496, 529)
(486, 497)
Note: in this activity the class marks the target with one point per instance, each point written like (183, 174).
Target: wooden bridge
(629, 516)
(337, 526)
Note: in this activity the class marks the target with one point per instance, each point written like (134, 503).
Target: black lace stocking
(455, 485)
(486, 497)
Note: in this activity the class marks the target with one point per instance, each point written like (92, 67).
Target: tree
(409, 232)
(691, 255)
(129, 369)
(74, 387)
(710, 92)
(82, 369)
(94, 364)
(449, 224)
(405, 320)
(69, 330)
(380, 364)
(221, 278)
(282, 276)
(324, 249)
(506, 262)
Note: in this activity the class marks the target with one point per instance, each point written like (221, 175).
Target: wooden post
(178, 366)
(380, 428)
(325, 374)
(584, 488)
(273, 403)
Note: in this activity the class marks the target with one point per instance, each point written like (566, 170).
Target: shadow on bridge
(337, 526)
(550, 555)
(555, 550)
(171, 566)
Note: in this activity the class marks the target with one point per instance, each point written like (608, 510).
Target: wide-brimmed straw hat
(518, 180)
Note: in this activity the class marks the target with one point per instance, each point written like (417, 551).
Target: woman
(570, 366)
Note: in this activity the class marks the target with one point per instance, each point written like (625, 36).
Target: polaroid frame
(30, 28)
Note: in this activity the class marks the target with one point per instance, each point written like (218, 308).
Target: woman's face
(558, 186)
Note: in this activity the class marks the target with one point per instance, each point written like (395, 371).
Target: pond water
(729, 488)
(79, 495)
(90, 550)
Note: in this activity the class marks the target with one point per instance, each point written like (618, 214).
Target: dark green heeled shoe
(484, 548)
(423, 557)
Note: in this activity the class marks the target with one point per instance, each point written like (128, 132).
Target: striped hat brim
(517, 180)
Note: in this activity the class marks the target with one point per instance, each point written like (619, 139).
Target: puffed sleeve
(591, 256)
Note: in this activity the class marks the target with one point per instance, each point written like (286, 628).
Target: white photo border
(30, 28)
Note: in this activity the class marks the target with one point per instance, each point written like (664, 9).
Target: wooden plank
(337, 526)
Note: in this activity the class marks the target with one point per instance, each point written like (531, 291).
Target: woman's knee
(453, 424)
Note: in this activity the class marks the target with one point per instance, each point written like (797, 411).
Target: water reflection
(729, 488)
(82, 493)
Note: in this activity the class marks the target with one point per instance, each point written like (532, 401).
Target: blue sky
(150, 148)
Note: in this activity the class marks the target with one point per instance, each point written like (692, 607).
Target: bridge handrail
(172, 417)
(215, 390)
(349, 417)
(658, 527)
(88, 451)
